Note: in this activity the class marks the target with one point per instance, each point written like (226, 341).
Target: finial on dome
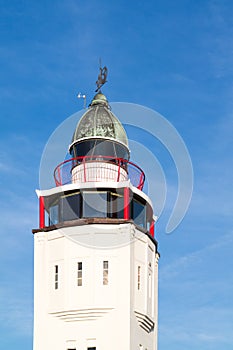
(102, 77)
(99, 99)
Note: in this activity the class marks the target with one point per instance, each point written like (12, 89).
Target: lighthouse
(95, 256)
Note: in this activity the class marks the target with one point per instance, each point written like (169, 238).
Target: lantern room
(99, 180)
(99, 132)
(99, 147)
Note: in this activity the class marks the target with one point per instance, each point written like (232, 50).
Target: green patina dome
(98, 121)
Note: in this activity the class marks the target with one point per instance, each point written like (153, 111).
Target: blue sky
(172, 56)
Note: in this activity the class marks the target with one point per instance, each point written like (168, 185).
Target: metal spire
(102, 77)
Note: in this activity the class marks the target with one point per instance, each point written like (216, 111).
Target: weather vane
(102, 77)
(84, 98)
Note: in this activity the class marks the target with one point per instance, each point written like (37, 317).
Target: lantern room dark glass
(70, 207)
(99, 147)
(98, 204)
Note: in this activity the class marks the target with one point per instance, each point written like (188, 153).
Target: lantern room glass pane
(121, 151)
(53, 215)
(95, 204)
(85, 148)
(104, 148)
(116, 206)
(139, 213)
(70, 207)
(100, 147)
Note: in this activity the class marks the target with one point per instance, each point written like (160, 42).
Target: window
(116, 206)
(149, 217)
(97, 147)
(95, 204)
(139, 213)
(91, 344)
(56, 276)
(53, 214)
(105, 273)
(150, 285)
(80, 274)
(139, 277)
(71, 345)
(70, 207)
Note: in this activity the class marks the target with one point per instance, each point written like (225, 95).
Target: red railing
(99, 168)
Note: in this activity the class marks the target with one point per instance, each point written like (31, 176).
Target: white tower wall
(95, 315)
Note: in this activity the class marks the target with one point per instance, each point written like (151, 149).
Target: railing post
(119, 170)
(41, 212)
(140, 182)
(59, 176)
(84, 168)
(126, 204)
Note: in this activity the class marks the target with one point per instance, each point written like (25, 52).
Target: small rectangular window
(56, 276)
(105, 273)
(71, 345)
(139, 277)
(150, 285)
(80, 274)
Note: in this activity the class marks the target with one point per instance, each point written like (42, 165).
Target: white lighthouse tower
(96, 259)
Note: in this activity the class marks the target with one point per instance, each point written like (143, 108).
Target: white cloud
(210, 337)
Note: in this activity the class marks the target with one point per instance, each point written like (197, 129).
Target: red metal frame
(119, 171)
(126, 204)
(152, 228)
(41, 212)
(62, 173)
